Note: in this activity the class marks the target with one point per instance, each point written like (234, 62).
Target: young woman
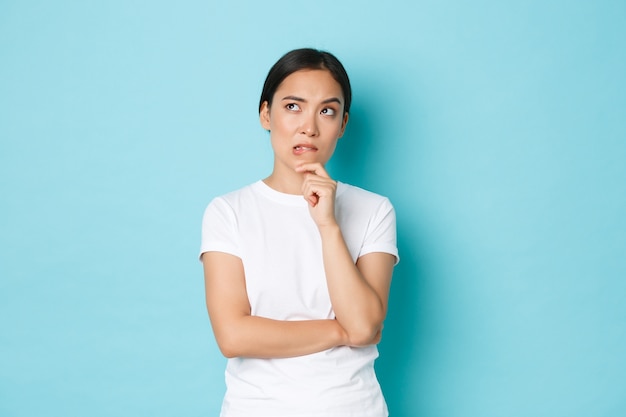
(298, 266)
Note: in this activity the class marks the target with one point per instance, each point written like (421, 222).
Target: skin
(305, 121)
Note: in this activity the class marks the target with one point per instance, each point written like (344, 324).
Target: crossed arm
(240, 334)
(358, 293)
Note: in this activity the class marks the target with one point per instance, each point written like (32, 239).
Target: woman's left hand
(319, 190)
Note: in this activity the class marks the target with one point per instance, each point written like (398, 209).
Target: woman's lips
(300, 149)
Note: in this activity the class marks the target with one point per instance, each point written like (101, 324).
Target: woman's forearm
(259, 337)
(241, 334)
(358, 307)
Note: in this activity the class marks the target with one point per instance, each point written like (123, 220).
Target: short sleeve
(219, 229)
(381, 232)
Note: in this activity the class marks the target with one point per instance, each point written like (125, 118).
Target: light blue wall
(498, 130)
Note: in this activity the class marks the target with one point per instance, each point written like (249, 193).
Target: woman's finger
(313, 167)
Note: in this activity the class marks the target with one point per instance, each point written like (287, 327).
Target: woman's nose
(309, 126)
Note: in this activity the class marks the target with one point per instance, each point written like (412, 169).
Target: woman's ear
(343, 124)
(264, 115)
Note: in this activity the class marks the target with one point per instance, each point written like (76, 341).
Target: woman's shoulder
(235, 195)
(232, 201)
(353, 193)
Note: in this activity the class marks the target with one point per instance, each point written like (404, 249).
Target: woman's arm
(239, 334)
(359, 293)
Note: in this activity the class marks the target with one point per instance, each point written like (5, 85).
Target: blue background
(498, 130)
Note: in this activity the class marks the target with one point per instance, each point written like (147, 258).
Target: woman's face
(306, 118)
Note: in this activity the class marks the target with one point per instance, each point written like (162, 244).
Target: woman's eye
(328, 112)
(293, 106)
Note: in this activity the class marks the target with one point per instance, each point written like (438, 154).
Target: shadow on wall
(377, 155)
(402, 349)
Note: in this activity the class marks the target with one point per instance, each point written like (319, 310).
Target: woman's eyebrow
(332, 100)
(294, 98)
(300, 99)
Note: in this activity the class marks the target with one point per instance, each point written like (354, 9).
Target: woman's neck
(288, 184)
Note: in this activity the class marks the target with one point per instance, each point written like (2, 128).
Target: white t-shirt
(280, 248)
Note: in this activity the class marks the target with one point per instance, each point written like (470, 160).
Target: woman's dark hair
(306, 59)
